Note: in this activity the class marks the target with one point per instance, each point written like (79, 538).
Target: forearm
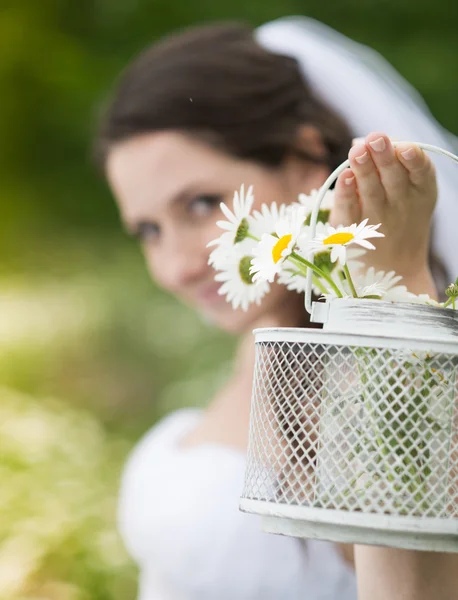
(392, 574)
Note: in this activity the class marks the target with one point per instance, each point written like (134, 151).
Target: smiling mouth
(208, 294)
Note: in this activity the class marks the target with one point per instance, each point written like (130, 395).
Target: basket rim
(318, 336)
(402, 306)
(389, 522)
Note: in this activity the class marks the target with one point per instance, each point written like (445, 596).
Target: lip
(208, 294)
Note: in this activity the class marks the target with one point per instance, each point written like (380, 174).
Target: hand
(395, 187)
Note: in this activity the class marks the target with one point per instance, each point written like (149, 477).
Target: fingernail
(378, 145)
(362, 159)
(349, 180)
(408, 154)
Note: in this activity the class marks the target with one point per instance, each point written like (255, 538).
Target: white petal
(364, 244)
(225, 225)
(334, 253)
(342, 253)
(227, 212)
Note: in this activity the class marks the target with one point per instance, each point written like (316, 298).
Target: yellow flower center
(342, 238)
(280, 246)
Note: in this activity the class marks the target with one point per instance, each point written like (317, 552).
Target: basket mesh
(354, 428)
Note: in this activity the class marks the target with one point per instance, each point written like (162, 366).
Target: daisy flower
(273, 249)
(371, 284)
(237, 282)
(308, 201)
(353, 254)
(323, 258)
(292, 279)
(224, 246)
(237, 221)
(265, 220)
(378, 283)
(338, 239)
(224, 249)
(296, 281)
(421, 299)
(305, 239)
(415, 360)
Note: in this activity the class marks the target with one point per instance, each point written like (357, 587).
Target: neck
(229, 413)
(290, 312)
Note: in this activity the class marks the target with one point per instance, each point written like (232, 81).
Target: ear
(302, 175)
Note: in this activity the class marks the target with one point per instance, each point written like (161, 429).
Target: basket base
(411, 533)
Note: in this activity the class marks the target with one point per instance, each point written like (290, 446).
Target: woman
(191, 119)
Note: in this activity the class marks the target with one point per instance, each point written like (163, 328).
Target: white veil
(370, 95)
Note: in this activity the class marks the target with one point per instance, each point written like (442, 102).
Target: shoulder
(180, 519)
(165, 487)
(149, 469)
(165, 435)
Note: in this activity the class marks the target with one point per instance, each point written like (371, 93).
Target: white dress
(180, 521)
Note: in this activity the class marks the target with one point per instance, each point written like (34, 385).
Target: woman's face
(169, 187)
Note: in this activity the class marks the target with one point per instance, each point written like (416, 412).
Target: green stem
(303, 271)
(449, 301)
(318, 271)
(299, 261)
(319, 285)
(300, 266)
(346, 270)
(252, 237)
(372, 416)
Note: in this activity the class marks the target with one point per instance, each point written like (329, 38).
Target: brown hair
(218, 84)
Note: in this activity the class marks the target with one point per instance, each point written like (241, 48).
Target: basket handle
(325, 187)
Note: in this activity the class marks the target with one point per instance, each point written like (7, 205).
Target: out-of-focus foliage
(80, 323)
(101, 341)
(57, 503)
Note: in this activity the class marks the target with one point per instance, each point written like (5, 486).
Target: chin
(234, 321)
(278, 302)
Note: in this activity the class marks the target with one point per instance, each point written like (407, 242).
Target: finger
(346, 209)
(370, 189)
(393, 175)
(418, 165)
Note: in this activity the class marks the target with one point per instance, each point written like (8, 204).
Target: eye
(201, 206)
(146, 232)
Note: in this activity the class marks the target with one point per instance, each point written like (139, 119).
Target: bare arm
(392, 574)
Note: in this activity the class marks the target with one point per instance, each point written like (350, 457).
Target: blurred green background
(91, 354)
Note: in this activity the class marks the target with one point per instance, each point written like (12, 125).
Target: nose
(180, 264)
(186, 268)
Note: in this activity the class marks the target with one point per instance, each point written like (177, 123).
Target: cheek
(210, 231)
(157, 267)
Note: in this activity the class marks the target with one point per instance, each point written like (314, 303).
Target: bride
(191, 119)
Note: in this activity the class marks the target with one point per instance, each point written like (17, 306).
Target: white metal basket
(354, 428)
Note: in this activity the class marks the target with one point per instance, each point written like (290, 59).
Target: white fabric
(179, 519)
(372, 96)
